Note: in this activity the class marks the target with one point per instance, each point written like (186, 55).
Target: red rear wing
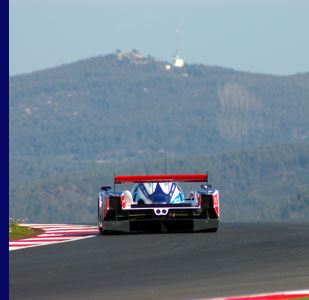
(161, 178)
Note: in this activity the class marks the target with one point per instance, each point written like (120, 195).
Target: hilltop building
(178, 62)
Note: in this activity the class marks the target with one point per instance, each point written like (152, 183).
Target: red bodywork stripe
(161, 178)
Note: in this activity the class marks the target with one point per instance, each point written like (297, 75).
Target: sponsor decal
(123, 201)
(215, 198)
(105, 205)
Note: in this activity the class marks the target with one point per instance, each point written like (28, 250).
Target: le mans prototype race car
(157, 203)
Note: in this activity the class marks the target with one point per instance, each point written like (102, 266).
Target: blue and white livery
(157, 203)
(161, 193)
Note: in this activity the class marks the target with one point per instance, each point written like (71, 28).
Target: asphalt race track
(240, 258)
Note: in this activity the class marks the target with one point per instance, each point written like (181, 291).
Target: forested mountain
(121, 104)
(297, 206)
(73, 126)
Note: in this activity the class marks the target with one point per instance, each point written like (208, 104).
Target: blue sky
(265, 36)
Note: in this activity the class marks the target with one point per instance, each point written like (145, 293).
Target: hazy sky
(266, 36)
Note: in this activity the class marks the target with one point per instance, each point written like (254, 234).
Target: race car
(156, 203)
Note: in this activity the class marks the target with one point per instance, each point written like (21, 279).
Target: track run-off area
(54, 233)
(291, 295)
(239, 259)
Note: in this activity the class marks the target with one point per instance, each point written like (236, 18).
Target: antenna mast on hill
(177, 62)
(177, 40)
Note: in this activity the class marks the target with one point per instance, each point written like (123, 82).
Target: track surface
(241, 258)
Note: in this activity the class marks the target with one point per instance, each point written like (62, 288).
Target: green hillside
(297, 205)
(254, 184)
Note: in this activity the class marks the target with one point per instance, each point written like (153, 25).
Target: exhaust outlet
(161, 211)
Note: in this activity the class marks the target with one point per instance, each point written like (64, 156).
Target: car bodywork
(156, 203)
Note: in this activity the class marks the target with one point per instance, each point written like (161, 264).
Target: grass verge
(17, 232)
